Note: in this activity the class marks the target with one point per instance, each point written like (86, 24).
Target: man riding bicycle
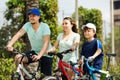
(39, 37)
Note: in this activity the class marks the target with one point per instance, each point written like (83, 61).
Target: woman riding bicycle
(69, 39)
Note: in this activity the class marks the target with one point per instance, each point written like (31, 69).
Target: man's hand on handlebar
(35, 57)
(9, 48)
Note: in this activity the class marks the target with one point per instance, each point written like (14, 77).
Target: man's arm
(20, 33)
(54, 47)
(44, 48)
(98, 52)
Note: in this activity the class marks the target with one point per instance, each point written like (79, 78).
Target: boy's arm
(98, 52)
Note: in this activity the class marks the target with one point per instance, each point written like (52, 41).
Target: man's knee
(20, 57)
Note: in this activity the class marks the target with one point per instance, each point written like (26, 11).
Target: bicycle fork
(20, 67)
(19, 72)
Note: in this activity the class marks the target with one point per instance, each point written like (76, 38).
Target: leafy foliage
(6, 68)
(90, 16)
(5, 36)
(49, 9)
(16, 17)
(115, 69)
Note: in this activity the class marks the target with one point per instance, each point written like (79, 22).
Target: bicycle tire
(109, 78)
(15, 76)
(116, 78)
(113, 78)
(50, 78)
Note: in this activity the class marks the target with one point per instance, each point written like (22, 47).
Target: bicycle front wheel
(15, 76)
(109, 78)
(50, 78)
(114, 77)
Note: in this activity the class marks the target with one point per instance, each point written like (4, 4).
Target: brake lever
(15, 51)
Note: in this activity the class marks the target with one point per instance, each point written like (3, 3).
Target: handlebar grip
(91, 67)
(51, 53)
(88, 66)
(112, 54)
(15, 51)
(66, 51)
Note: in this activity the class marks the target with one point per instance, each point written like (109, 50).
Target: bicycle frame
(62, 65)
(19, 68)
(92, 69)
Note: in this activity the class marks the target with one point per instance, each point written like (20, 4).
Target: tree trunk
(31, 4)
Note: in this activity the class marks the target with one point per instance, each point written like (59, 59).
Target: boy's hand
(90, 59)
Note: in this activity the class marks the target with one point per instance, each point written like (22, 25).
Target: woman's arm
(76, 42)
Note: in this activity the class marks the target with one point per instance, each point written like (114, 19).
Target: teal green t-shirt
(36, 38)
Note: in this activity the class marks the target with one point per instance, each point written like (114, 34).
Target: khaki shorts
(32, 67)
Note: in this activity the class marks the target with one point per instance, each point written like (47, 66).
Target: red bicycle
(62, 68)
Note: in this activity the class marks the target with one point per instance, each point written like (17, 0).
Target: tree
(29, 4)
(49, 9)
(90, 16)
(17, 14)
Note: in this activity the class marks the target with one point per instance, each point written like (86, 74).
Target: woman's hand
(50, 50)
(80, 62)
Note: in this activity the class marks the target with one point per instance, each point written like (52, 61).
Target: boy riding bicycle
(92, 49)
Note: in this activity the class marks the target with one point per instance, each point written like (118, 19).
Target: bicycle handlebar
(73, 65)
(90, 67)
(112, 54)
(59, 54)
(74, 68)
(15, 51)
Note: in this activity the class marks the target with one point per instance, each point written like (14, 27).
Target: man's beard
(33, 23)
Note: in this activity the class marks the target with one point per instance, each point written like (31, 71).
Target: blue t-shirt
(36, 38)
(89, 49)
